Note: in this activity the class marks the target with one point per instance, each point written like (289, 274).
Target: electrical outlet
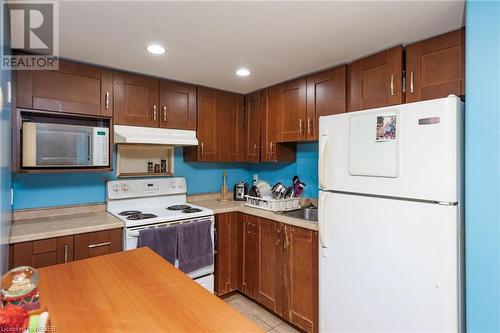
(255, 178)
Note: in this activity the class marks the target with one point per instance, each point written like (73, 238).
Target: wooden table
(132, 291)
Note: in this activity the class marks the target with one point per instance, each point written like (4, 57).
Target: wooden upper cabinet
(326, 95)
(74, 88)
(230, 125)
(435, 67)
(292, 110)
(135, 100)
(253, 111)
(177, 105)
(376, 81)
(207, 125)
(219, 127)
(271, 150)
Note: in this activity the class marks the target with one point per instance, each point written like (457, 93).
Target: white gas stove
(153, 203)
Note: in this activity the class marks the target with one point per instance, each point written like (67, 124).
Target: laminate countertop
(220, 207)
(132, 291)
(64, 225)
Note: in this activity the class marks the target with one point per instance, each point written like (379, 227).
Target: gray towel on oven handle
(195, 249)
(162, 240)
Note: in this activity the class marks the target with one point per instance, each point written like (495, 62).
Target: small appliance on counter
(240, 190)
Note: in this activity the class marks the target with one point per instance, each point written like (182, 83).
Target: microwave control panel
(100, 146)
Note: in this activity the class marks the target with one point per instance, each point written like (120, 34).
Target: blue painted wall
(5, 171)
(482, 179)
(32, 190)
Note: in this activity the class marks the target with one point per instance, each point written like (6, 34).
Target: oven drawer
(206, 282)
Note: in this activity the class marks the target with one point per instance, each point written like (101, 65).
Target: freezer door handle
(321, 222)
(322, 151)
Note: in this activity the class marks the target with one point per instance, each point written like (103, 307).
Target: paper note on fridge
(374, 144)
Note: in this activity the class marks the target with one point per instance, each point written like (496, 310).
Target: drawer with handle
(97, 243)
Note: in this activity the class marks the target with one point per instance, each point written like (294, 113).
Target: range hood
(157, 136)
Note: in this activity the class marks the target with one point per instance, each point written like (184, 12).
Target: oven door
(56, 145)
(203, 276)
(132, 236)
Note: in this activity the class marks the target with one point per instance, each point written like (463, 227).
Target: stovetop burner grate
(141, 216)
(179, 207)
(129, 212)
(191, 210)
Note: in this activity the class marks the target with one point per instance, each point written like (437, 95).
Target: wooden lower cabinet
(52, 251)
(250, 255)
(227, 263)
(269, 289)
(301, 278)
(98, 243)
(278, 266)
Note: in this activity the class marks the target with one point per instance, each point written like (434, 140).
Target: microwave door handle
(89, 152)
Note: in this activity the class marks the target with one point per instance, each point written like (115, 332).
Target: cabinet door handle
(106, 100)
(65, 253)
(91, 246)
(202, 150)
(411, 83)
(164, 113)
(154, 112)
(392, 85)
(301, 126)
(287, 242)
(271, 149)
(309, 125)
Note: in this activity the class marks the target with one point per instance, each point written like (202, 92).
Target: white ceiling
(207, 41)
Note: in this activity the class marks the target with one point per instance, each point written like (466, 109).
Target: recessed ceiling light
(242, 72)
(155, 49)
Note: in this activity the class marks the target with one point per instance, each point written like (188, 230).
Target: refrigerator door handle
(321, 224)
(322, 151)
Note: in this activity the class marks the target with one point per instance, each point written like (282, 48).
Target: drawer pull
(65, 253)
(99, 244)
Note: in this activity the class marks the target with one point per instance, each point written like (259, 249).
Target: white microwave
(58, 145)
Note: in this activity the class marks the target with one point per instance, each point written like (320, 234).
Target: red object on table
(13, 318)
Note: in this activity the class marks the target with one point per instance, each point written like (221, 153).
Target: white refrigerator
(391, 219)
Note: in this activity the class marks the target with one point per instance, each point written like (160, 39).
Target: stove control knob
(173, 185)
(116, 188)
(125, 187)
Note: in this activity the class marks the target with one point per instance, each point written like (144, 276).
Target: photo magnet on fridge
(386, 128)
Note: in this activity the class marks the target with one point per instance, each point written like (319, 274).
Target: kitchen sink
(309, 214)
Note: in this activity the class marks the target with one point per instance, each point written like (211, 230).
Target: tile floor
(253, 311)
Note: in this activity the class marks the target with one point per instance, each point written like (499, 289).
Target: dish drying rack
(273, 205)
